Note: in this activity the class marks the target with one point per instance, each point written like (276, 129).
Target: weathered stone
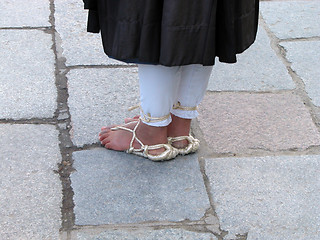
(142, 234)
(113, 187)
(27, 75)
(244, 122)
(100, 97)
(257, 69)
(30, 192)
(292, 19)
(267, 197)
(305, 62)
(20, 13)
(79, 47)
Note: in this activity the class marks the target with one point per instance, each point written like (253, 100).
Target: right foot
(178, 127)
(120, 139)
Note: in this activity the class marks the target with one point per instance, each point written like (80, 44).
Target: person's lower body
(169, 98)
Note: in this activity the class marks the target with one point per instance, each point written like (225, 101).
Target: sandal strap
(193, 144)
(143, 151)
(147, 117)
(178, 106)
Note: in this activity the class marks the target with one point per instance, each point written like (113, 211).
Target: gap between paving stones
(25, 28)
(130, 233)
(300, 86)
(300, 39)
(100, 66)
(63, 125)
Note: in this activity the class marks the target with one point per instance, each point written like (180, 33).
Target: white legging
(162, 88)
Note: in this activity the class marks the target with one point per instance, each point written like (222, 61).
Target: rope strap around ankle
(178, 106)
(147, 117)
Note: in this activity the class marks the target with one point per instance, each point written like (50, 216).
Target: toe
(108, 127)
(105, 141)
(108, 145)
(103, 135)
(128, 120)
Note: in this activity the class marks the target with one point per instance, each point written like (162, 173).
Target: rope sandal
(143, 151)
(193, 144)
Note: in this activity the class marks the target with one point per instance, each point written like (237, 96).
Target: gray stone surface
(26, 75)
(100, 97)
(292, 19)
(21, 13)
(79, 47)
(143, 234)
(30, 192)
(114, 187)
(305, 58)
(257, 69)
(269, 197)
(244, 122)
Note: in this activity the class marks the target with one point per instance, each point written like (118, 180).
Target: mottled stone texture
(242, 122)
(257, 69)
(26, 75)
(30, 192)
(292, 19)
(267, 197)
(100, 97)
(21, 13)
(79, 47)
(305, 61)
(112, 187)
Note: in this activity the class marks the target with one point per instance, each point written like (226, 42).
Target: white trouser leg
(192, 88)
(158, 91)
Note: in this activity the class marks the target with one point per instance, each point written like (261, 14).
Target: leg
(158, 88)
(193, 85)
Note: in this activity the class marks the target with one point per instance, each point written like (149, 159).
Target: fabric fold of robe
(174, 32)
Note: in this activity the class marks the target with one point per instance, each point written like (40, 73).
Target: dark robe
(174, 32)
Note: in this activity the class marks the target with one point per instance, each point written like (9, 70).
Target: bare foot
(126, 120)
(135, 118)
(120, 139)
(179, 127)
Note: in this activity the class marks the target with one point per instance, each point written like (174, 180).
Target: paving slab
(292, 19)
(26, 75)
(100, 97)
(30, 190)
(18, 13)
(257, 69)
(114, 187)
(305, 61)
(274, 197)
(244, 122)
(142, 234)
(79, 47)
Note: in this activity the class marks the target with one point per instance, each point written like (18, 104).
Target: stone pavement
(256, 176)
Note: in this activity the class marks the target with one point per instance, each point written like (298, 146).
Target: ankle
(179, 126)
(152, 135)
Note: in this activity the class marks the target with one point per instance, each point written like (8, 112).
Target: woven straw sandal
(193, 144)
(143, 151)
